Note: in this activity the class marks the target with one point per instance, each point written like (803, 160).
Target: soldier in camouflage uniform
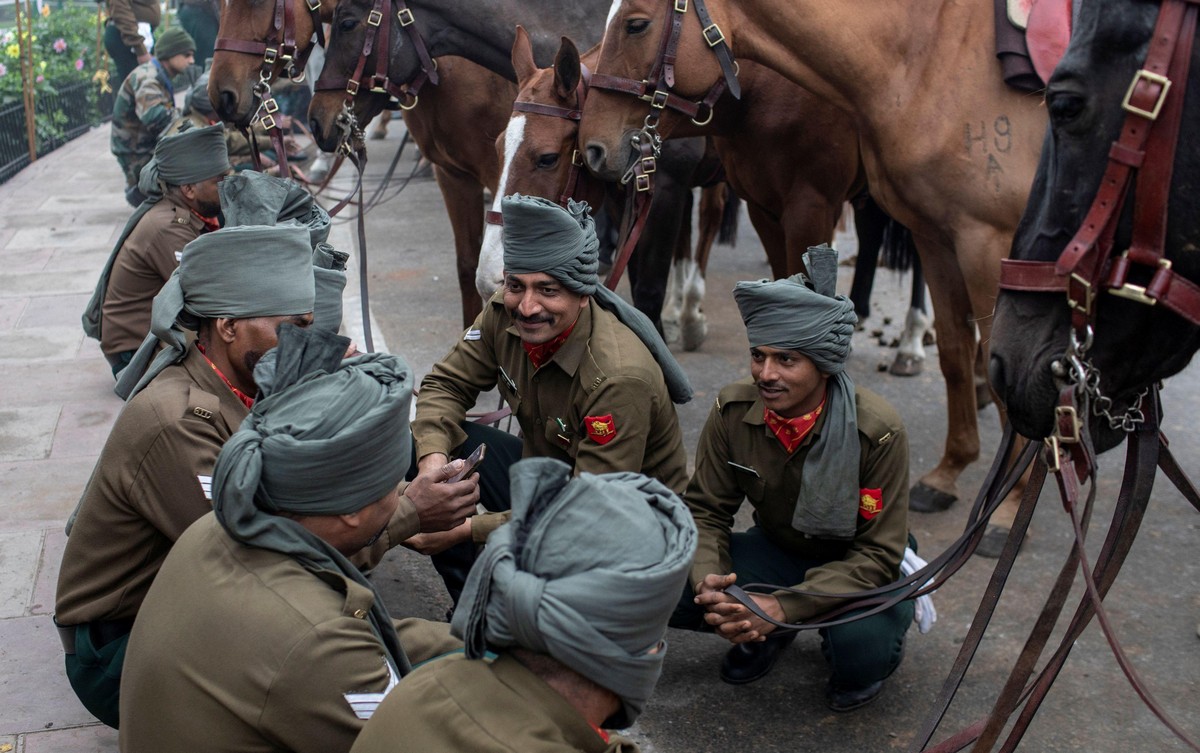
(145, 106)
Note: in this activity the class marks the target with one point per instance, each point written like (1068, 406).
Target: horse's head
(258, 38)
(1136, 343)
(631, 68)
(372, 54)
(538, 153)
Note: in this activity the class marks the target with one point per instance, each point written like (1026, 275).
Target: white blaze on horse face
(612, 13)
(489, 275)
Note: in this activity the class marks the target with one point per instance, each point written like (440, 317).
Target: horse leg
(774, 242)
(463, 196)
(910, 358)
(869, 222)
(379, 132)
(712, 212)
(938, 489)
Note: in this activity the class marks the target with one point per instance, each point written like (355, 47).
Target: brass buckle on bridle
(1153, 78)
(1137, 293)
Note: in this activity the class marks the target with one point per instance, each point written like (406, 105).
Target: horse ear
(522, 57)
(566, 68)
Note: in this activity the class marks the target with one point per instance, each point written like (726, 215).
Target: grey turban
(816, 322)
(541, 236)
(235, 273)
(197, 98)
(588, 571)
(189, 156)
(326, 437)
(254, 198)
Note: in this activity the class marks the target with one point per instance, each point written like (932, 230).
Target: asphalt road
(1155, 605)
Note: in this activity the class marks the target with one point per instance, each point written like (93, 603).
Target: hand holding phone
(472, 462)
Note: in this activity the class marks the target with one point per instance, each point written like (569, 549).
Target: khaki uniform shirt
(602, 371)
(242, 649)
(454, 704)
(152, 481)
(739, 458)
(143, 264)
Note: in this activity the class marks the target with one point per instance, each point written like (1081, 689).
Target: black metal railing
(60, 116)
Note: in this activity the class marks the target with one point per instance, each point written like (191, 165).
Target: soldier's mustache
(534, 319)
(772, 385)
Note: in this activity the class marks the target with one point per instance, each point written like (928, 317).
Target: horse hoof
(992, 543)
(906, 365)
(671, 330)
(694, 334)
(924, 498)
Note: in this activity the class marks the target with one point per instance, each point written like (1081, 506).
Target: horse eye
(636, 25)
(547, 161)
(348, 24)
(1065, 107)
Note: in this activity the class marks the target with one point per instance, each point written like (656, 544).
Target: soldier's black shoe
(747, 662)
(848, 699)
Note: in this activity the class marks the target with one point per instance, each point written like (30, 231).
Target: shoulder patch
(601, 429)
(870, 502)
(472, 334)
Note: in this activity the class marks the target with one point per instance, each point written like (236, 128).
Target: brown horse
(454, 127)
(539, 157)
(948, 150)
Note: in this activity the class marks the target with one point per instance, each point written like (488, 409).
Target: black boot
(747, 662)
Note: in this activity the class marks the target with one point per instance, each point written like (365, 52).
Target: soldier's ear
(225, 329)
(188, 190)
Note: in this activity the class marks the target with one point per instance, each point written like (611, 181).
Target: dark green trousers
(202, 25)
(859, 653)
(122, 57)
(95, 673)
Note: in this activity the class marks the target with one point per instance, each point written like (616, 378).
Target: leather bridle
(405, 92)
(657, 87)
(1145, 152)
(283, 49)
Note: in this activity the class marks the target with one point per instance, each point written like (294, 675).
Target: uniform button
(360, 614)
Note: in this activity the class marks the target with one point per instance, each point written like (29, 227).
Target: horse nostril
(227, 105)
(314, 125)
(595, 156)
(996, 376)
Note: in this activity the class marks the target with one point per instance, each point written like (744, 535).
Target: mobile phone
(473, 461)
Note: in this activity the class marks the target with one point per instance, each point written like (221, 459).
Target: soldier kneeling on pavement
(182, 202)
(259, 633)
(563, 620)
(825, 466)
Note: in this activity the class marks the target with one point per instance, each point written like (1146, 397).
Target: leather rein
(1068, 455)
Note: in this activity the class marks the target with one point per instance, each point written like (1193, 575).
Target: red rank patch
(600, 428)
(870, 502)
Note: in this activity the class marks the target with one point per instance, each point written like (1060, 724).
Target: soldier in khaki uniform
(181, 203)
(825, 465)
(259, 633)
(153, 478)
(556, 682)
(145, 105)
(587, 376)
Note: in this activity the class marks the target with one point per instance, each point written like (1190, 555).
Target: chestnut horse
(451, 32)
(948, 149)
(539, 157)
(454, 128)
(1141, 333)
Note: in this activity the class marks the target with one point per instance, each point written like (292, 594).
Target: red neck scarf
(791, 431)
(210, 223)
(541, 354)
(246, 399)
